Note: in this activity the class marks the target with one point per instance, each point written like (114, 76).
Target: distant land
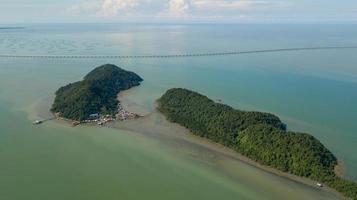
(95, 95)
(15, 27)
(261, 137)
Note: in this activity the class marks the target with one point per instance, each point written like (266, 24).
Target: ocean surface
(312, 91)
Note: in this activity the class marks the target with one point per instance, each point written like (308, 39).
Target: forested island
(95, 95)
(261, 137)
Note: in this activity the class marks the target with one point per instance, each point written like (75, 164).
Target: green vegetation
(96, 93)
(260, 136)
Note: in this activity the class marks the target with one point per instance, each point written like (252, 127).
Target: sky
(225, 11)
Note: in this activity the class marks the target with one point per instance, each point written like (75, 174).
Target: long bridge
(174, 55)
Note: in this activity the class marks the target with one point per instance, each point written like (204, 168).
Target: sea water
(312, 91)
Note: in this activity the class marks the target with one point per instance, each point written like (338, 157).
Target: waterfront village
(100, 120)
(97, 118)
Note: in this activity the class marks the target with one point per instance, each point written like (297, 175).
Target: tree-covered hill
(96, 93)
(260, 136)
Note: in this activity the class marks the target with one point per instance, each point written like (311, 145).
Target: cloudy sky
(239, 11)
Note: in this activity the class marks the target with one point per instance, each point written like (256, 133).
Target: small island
(261, 137)
(94, 99)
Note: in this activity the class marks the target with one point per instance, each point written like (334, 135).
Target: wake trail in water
(174, 55)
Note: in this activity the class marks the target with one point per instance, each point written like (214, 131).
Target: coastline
(339, 168)
(57, 117)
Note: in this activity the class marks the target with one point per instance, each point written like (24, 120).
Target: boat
(318, 184)
(37, 122)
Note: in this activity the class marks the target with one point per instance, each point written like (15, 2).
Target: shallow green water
(314, 92)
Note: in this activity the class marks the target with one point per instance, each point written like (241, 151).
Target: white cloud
(179, 7)
(87, 8)
(113, 7)
(206, 8)
(238, 4)
(106, 8)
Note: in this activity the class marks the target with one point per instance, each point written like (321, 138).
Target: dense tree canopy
(260, 136)
(96, 93)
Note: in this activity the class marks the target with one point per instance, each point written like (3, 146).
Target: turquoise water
(312, 91)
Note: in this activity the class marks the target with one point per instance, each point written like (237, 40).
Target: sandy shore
(225, 151)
